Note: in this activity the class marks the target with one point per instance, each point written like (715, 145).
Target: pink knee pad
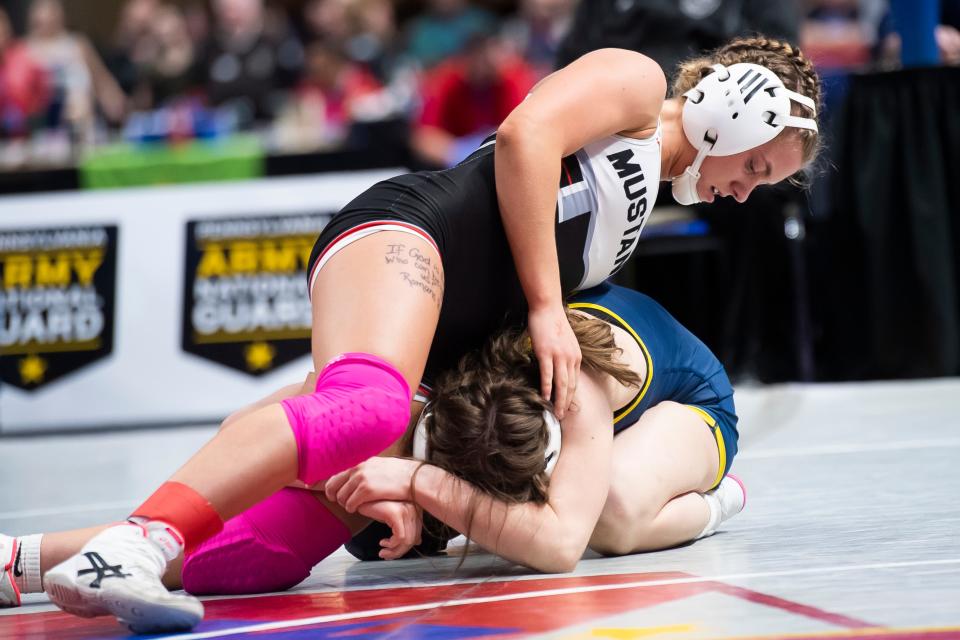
(270, 547)
(360, 407)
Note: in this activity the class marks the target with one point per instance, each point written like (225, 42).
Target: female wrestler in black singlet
(383, 295)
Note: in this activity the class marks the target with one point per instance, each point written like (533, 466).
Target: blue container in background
(915, 21)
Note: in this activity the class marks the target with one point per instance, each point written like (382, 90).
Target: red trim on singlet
(373, 223)
(567, 170)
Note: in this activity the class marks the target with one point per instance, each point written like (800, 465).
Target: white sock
(26, 567)
(162, 534)
(715, 515)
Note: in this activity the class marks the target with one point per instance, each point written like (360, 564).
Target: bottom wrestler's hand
(373, 479)
(405, 521)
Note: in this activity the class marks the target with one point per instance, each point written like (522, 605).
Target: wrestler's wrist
(411, 472)
(546, 302)
(542, 290)
(425, 484)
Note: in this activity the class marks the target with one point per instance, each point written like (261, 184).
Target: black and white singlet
(606, 192)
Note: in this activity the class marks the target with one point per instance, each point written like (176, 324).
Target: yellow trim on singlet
(619, 415)
(721, 446)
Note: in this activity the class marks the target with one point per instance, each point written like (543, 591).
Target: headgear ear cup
(420, 436)
(731, 110)
(552, 453)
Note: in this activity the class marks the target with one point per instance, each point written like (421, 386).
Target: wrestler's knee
(238, 560)
(272, 546)
(360, 407)
(626, 515)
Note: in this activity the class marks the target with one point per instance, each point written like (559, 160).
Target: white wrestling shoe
(10, 557)
(726, 501)
(119, 572)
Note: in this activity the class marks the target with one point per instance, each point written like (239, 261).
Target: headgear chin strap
(734, 109)
(550, 456)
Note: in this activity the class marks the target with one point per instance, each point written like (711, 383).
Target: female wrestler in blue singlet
(642, 466)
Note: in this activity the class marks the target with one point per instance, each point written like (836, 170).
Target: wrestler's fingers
(334, 483)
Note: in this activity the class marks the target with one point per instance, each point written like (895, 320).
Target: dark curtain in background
(742, 289)
(887, 260)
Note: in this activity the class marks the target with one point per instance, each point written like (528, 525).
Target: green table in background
(134, 165)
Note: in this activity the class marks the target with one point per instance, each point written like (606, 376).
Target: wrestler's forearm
(529, 534)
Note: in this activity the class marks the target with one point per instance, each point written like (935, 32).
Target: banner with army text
(245, 292)
(57, 301)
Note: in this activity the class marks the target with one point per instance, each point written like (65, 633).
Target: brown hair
(784, 59)
(486, 423)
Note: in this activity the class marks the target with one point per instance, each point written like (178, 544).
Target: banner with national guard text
(57, 301)
(245, 293)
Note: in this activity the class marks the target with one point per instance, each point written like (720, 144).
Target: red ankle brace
(185, 510)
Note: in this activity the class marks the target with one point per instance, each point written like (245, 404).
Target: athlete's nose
(742, 190)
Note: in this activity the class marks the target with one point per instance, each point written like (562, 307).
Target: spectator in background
(373, 41)
(669, 30)
(948, 32)
(948, 42)
(132, 44)
(152, 55)
(466, 98)
(24, 85)
(444, 29)
(537, 31)
(327, 98)
(839, 34)
(198, 23)
(168, 74)
(327, 20)
(245, 65)
(79, 78)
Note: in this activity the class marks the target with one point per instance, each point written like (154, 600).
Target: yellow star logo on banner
(32, 369)
(259, 356)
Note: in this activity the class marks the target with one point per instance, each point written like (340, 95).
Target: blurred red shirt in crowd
(338, 81)
(332, 91)
(467, 98)
(24, 85)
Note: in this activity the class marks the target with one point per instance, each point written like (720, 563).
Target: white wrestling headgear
(723, 117)
(550, 456)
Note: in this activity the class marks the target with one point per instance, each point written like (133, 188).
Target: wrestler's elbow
(510, 133)
(561, 555)
(565, 559)
(524, 131)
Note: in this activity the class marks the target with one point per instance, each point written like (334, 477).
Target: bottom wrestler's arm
(550, 537)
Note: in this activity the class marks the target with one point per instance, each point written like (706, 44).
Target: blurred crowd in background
(299, 75)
